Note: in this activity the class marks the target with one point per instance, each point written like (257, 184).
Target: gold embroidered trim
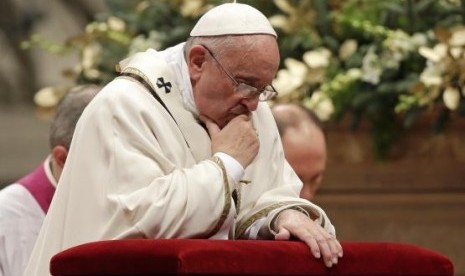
(241, 229)
(139, 73)
(227, 196)
(238, 190)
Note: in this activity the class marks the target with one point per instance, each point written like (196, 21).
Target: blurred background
(387, 77)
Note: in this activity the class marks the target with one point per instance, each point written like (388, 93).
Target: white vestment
(136, 170)
(21, 216)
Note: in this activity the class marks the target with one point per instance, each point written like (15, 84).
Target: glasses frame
(245, 90)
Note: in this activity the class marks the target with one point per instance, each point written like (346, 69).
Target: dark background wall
(417, 196)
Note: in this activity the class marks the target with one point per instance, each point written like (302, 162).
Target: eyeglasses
(245, 90)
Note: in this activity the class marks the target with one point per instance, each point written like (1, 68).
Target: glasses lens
(267, 93)
(246, 90)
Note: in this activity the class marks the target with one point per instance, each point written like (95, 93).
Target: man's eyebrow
(250, 80)
(247, 77)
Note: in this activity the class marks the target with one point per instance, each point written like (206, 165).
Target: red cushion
(151, 257)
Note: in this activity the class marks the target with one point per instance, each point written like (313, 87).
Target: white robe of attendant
(135, 172)
(22, 213)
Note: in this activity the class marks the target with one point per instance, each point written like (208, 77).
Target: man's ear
(60, 153)
(195, 61)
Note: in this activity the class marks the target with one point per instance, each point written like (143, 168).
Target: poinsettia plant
(370, 61)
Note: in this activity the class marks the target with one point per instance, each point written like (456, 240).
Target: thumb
(212, 127)
(283, 234)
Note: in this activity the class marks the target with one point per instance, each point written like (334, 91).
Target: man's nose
(251, 103)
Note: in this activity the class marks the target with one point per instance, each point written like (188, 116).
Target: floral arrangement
(380, 63)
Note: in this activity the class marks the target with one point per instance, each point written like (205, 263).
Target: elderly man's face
(215, 93)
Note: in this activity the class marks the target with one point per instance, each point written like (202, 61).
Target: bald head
(295, 116)
(304, 144)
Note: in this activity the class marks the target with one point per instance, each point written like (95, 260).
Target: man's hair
(67, 114)
(295, 115)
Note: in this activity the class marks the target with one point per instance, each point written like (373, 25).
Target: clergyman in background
(304, 144)
(23, 204)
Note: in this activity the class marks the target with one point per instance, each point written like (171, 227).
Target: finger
(283, 234)
(325, 250)
(314, 248)
(211, 126)
(336, 247)
(333, 245)
(340, 251)
(329, 242)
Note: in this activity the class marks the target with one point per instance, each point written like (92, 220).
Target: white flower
(431, 75)
(436, 54)
(280, 21)
(458, 38)
(400, 42)
(419, 39)
(116, 24)
(456, 52)
(296, 67)
(451, 98)
(347, 49)
(371, 67)
(90, 54)
(317, 58)
(291, 78)
(141, 43)
(91, 73)
(354, 73)
(46, 97)
(321, 104)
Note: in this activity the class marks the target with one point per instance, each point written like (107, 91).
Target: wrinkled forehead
(259, 55)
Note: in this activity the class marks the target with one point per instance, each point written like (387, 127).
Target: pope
(183, 145)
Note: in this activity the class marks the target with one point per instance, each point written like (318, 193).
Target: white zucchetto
(233, 19)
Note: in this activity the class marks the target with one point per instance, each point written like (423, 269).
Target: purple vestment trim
(38, 184)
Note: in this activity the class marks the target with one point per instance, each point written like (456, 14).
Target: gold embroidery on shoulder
(139, 73)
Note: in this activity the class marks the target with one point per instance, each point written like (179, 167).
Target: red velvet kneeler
(177, 256)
